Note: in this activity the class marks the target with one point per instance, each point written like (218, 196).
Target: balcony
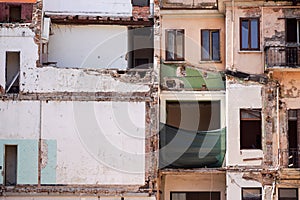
(282, 56)
(293, 155)
(189, 149)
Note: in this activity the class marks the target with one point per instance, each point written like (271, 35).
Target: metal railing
(291, 157)
(282, 56)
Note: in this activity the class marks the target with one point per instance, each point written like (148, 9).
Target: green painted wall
(27, 168)
(194, 78)
(48, 174)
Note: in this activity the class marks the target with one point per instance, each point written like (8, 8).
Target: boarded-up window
(193, 115)
(251, 194)
(175, 45)
(195, 196)
(250, 129)
(249, 34)
(10, 165)
(210, 45)
(288, 194)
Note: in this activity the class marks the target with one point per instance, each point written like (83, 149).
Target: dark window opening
(140, 2)
(195, 195)
(140, 48)
(251, 194)
(210, 45)
(287, 193)
(10, 176)
(12, 72)
(15, 13)
(249, 34)
(250, 129)
(292, 35)
(175, 45)
(194, 116)
(294, 137)
(292, 39)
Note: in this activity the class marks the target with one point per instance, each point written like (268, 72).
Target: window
(175, 45)
(140, 2)
(193, 115)
(249, 34)
(293, 137)
(292, 31)
(288, 194)
(251, 194)
(15, 13)
(195, 195)
(12, 70)
(210, 45)
(250, 128)
(10, 176)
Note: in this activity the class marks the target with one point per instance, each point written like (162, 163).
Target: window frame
(297, 192)
(177, 31)
(249, 48)
(186, 192)
(251, 188)
(210, 44)
(250, 119)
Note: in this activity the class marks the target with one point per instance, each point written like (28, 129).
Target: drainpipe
(277, 124)
(151, 8)
(232, 32)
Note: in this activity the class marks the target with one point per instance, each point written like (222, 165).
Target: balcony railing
(282, 56)
(292, 155)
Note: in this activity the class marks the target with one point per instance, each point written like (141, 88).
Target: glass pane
(245, 31)
(254, 34)
(178, 196)
(288, 193)
(215, 45)
(179, 45)
(170, 45)
(251, 194)
(205, 45)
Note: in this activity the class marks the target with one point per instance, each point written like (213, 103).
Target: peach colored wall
(246, 61)
(290, 87)
(192, 25)
(206, 182)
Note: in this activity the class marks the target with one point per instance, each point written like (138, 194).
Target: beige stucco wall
(206, 182)
(192, 23)
(246, 61)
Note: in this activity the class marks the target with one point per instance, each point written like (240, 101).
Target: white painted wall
(235, 182)
(89, 46)
(54, 79)
(19, 120)
(98, 142)
(89, 7)
(208, 182)
(239, 97)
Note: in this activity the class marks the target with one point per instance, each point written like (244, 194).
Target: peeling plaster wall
(194, 183)
(35, 79)
(79, 197)
(90, 7)
(99, 46)
(97, 142)
(251, 62)
(235, 182)
(235, 102)
(18, 40)
(192, 32)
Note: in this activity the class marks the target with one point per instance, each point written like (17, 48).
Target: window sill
(174, 62)
(249, 52)
(210, 61)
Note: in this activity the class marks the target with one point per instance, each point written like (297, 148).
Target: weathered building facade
(166, 100)
(78, 100)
